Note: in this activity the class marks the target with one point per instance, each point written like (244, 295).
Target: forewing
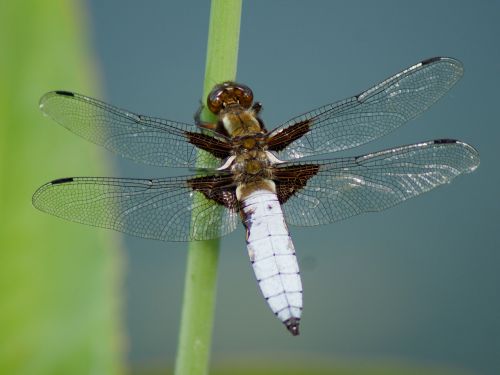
(369, 115)
(163, 209)
(333, 190)
(141, 138)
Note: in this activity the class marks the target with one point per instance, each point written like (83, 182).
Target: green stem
(198, 309)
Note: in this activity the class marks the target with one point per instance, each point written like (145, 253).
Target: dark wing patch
(291, 179)
(278, 141)
(214, 146)
(220, 189)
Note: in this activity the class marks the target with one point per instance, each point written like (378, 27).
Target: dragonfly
(265, 179)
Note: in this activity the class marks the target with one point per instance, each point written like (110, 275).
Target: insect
(253, 174)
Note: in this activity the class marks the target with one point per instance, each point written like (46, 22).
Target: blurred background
(412, 290)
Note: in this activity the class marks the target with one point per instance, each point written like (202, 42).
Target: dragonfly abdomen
(272, 255)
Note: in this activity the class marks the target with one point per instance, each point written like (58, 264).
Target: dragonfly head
(228, 94)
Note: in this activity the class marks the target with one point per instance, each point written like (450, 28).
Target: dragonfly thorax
(239, 122)
(252, 166)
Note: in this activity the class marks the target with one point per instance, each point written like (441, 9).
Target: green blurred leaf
(58, 281)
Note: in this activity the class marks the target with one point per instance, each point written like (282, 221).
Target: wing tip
(35, 199)
(450, 60)
(473, 153)
(457, 65)
(51, 94)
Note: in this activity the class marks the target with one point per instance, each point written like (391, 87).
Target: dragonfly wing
(141, 138)
(321, 192)
(172, 209)
(369, 115)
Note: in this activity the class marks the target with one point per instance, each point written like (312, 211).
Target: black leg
(199, 122)
(257, 107)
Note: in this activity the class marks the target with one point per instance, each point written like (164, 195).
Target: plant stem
(198, 309)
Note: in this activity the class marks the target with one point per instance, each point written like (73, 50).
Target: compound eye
(214, 102)
(229, 93)
(244, 95)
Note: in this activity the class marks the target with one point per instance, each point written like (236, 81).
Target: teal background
(417, 284)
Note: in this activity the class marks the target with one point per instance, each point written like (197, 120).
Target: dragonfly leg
(257, 107)
(199, 122)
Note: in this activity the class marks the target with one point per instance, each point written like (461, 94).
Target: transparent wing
(344, 187)
(145, 139)
(163, 209)
(369, 115)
